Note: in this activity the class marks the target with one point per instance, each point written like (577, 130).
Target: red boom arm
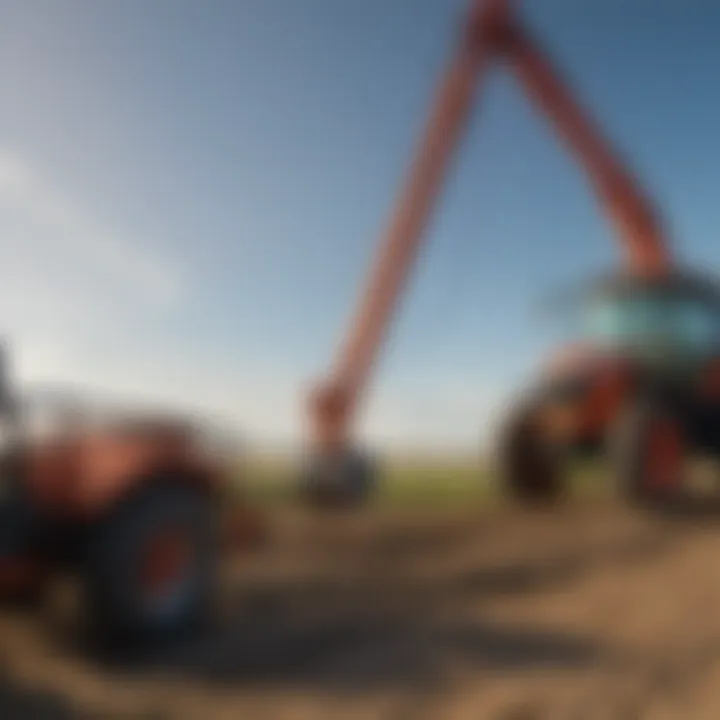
(631, 212)
(490, 33)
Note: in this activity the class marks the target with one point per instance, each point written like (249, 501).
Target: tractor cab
(667, 323)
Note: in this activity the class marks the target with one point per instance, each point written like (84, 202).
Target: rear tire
(22, 579)
(126, 603)
(529, 470)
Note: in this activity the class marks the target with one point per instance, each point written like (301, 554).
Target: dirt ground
(591, 611)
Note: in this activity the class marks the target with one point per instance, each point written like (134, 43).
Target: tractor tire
(152, 564)
(21, 567)
(647, 455)
(347, 480)
(528, 469)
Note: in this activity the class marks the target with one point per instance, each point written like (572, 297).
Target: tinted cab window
(697, 327)
(655, 326)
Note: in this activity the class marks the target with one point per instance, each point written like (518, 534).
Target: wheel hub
(167, 557)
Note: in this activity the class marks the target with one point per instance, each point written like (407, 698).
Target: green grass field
(407, 483)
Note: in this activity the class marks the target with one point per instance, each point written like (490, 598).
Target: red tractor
(129, 504)
(642, 386)
(645, 380)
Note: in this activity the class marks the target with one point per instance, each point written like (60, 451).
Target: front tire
(649, 452)
(528, 468)
(152, 564)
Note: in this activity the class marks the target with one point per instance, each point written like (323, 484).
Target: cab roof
(682, 283)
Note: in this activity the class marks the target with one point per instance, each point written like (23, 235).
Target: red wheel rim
(664, 455)
(165, 560)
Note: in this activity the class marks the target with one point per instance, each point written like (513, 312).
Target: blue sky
(191, 191)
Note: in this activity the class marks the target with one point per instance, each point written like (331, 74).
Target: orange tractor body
(81, 476)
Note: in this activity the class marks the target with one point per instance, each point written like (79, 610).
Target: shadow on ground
(20, 703)
(538, 574)
(689, 508)
(357, 652)
(326, 635)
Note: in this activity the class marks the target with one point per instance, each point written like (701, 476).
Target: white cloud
(69, 285)
(62, 230)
